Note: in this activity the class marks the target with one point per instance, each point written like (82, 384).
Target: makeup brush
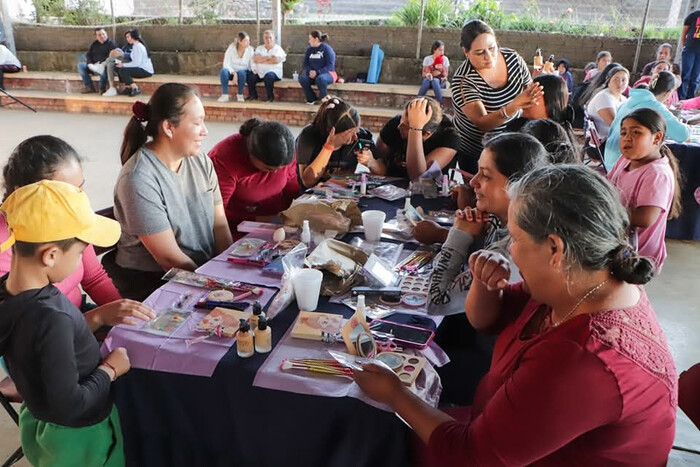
(257, 291)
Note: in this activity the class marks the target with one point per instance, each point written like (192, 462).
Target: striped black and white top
(468, 86)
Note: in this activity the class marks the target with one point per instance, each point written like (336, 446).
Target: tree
(288, 7)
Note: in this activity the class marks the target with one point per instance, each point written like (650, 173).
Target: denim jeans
(436, 84)
(269, 80)
(322, 81)
(127, 74)
(85, 73)
(225, 76)
(690, 73)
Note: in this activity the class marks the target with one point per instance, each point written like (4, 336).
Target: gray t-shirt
(150, 198)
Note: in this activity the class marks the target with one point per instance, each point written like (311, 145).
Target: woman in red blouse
(256, 168)
(581, 372)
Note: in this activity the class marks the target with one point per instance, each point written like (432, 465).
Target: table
(687, 226)
(180, 420)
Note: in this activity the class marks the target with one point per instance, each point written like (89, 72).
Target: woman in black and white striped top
(489, 89)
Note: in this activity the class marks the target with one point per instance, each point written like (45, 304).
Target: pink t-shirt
(650, 185)
(90, 274)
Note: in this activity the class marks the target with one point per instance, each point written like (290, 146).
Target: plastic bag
(390, 192)
(292, 262)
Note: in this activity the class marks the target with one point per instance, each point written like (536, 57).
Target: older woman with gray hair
(581, 372)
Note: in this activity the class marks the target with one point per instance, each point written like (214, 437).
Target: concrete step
(287, 90)
(292, 114)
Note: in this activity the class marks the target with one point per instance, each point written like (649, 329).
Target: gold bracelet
(412, 128)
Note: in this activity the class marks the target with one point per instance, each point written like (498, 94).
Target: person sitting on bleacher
(410, 143)
(329, 145)
(236, 66)
(140, 65)
(98, 53)
(8, 63)
(436, 67)
(122, 54)
(266, 66)
(319, 67)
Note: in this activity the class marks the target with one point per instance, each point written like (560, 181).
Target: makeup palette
(415, 285)
(407, 367)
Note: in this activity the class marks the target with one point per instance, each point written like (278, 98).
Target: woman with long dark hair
(167, 196)
(318, 68)
(140, 65)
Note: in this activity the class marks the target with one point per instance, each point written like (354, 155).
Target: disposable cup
(307, 288)
(373, 221)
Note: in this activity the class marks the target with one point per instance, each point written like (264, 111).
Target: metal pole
(277, 19)
(420, 28)
(641, 37)
(257, 21)
(114, 21)
(179, 19)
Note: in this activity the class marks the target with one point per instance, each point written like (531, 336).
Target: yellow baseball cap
(50, 211)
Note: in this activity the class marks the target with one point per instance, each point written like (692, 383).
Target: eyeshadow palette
(407, 367)
(416, 285)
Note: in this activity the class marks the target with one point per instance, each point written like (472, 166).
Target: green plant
(85, 13)
(205, 12)
(288, 7)
(435, 13)
(488, 11)
(46, 8)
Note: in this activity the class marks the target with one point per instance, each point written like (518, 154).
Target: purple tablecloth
(173, 353)
(270, 376)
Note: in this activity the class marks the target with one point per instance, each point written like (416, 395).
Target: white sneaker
(97, 68)
(111, 92)
(223, 98)
(239, 98)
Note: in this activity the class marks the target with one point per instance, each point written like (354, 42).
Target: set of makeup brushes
(316, 365)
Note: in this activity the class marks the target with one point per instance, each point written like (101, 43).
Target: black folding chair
(9, 396)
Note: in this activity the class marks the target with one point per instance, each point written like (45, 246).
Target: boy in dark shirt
(68, 417)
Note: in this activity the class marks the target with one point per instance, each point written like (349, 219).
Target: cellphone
(409, 336)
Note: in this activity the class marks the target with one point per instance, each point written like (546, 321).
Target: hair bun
(628, 266)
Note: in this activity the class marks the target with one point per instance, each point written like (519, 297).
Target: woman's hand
(429, 232)
(418, 113)
(119, 360)
(529, 96)
(119, 64)
(312, 74)
(472, 221)
(337, 141)
(379, 383)
(365, 157)
(490, 268)
(429, 76)
(122, 311)
(234, 79)
(464, 196)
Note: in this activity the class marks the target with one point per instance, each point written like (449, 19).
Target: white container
(373, 221)
(295, 76)
(307, 288)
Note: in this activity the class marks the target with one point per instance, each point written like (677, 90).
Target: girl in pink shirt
(48, 157)
(647, 177)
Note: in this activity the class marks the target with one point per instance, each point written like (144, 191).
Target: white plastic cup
(373, 221)
(307, 288)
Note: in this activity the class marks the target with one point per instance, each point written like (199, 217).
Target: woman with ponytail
(660, 87)
(649, 181)
(167, 196)
(257, 171)
(581, 371)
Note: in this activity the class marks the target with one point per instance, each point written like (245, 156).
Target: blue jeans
(269, 80)
(436, 84)
(690, 73)
(322, 81)
(227, 76)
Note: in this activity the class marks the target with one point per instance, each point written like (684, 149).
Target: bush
(488, 11)
(436, 13)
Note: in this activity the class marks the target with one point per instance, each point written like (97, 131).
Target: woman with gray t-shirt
(167, 196)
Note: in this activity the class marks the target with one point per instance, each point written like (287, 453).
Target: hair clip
(330, 106)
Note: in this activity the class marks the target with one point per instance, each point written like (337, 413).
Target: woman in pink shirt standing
(648, 179)
(48, 157)
(581, 372)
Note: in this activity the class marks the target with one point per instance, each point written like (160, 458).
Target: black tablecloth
(687, 226)
(180, 420)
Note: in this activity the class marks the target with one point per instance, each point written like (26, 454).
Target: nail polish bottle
(244, 340)
(263, 336)
(257, 313)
